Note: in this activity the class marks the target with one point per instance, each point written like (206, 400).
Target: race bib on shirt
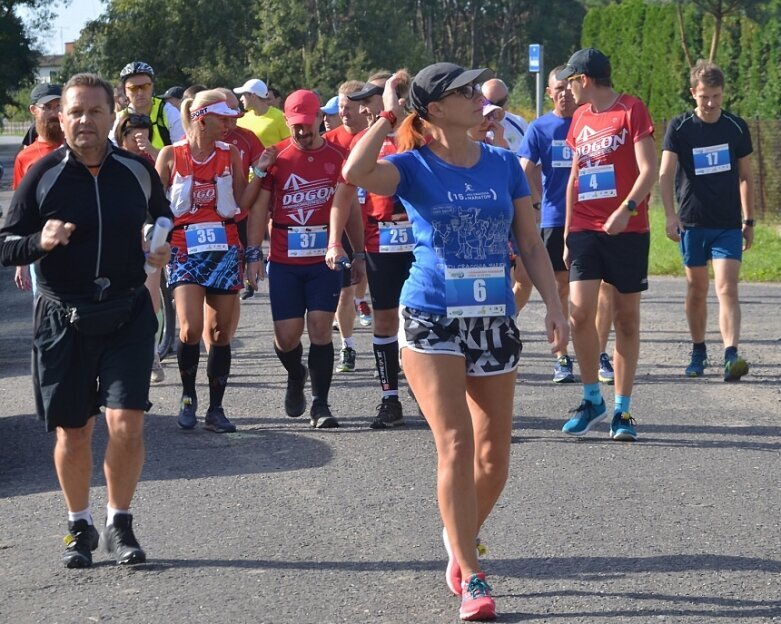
(475, 291)
(596, 183)
(203, 237)
(713, 159)
(395, 236)
(305, 242)
(561, 154)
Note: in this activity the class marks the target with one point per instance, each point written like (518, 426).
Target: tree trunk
(682, 33)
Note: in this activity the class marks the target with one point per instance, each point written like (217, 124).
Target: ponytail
(411, 134)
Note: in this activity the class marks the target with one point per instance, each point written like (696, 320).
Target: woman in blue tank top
(460, 342)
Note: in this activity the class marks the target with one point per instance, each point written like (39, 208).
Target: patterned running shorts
(214, 270)
(490, 345)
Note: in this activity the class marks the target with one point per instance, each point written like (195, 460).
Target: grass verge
(761, 263)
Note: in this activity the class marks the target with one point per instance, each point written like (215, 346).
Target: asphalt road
(282, 524)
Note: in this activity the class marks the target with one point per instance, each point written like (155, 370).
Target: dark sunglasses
(136, 122)
(468, 91)
(499, 103)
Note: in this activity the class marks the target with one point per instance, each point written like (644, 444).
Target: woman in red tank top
(204, 179)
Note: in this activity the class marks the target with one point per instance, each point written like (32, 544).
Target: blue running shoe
(606, 374)
(623, 427)
(562, 370)
(735, 368)
(698, 364)
(586, 415)
(187, 418)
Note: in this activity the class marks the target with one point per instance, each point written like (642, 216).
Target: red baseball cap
(302, 107)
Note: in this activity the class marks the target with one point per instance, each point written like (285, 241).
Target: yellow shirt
(270, 127)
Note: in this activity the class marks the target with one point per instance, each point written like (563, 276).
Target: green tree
(18, 46)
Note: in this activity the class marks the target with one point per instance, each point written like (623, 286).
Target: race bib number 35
(395, 237)
(596, 183)
(203, 237)
(713, 159)
(303, 242)
(475, 291)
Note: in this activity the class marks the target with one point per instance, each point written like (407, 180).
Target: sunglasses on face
(499, 103)
(147, 86)
(575, 77)
(468, 91)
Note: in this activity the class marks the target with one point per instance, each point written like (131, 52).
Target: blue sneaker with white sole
(623, 427)
(586, 415)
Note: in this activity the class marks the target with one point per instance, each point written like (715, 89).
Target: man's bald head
(496, 92)
(230, 97)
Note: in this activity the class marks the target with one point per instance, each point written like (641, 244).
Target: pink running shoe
(453, 570)
(476, 602)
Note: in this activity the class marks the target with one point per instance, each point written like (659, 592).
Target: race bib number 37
(305, 242)
(596, 183)
(475, 291)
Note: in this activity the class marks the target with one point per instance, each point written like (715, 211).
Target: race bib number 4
(304, 242)
(561, 154)
(202, 237)
(713, 159)
(475, 291)
(596, 183)
(395, 236)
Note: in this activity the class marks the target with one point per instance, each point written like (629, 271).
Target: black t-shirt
(707, 183)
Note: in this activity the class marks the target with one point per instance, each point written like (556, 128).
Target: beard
(50, 131)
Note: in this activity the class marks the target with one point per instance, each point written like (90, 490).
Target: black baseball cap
(589, 62)
(173, 92)
(369, 89)
(433, 81)
(45, 93)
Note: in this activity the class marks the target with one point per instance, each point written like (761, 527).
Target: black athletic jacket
(109, 211)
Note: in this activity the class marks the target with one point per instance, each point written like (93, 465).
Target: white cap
(253, 85)
(490, 108)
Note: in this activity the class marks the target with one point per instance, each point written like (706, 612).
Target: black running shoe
(187, 418)
(81, 540)
(218, 422)
(118, 540)
(247, 293)
(389, 414)
(320, 416)
(295, 401)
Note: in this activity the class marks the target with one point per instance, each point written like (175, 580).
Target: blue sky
(69, 22)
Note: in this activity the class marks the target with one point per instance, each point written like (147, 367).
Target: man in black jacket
(79, 213)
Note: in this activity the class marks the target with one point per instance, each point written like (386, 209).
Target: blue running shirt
(545, 143)
(461, 219)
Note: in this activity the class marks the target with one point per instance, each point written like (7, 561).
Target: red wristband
(390, 116)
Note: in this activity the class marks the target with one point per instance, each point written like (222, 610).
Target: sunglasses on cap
(468, 91)
(136, 122)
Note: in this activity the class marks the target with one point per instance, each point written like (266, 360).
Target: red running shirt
(341, 136)
(603, 144)
(29, 156)
(250, 148)
(302, 185)
(204, 194)
(378, 207)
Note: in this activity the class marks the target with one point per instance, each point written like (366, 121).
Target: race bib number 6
(475, 291)
(305, 242)
(596, 183)
(202, 237)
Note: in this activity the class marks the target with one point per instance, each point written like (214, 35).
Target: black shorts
(620, 260)
(75, 374)
(553, 238)
(490, 345)
(387, 273)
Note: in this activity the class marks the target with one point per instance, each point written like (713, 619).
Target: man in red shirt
(297, 192)
(606, 230)
(45, 109)
(344, 135)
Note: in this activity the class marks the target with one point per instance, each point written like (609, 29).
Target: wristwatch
(749, 222)
(631, 206)
(258, 173)
(536, 205)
